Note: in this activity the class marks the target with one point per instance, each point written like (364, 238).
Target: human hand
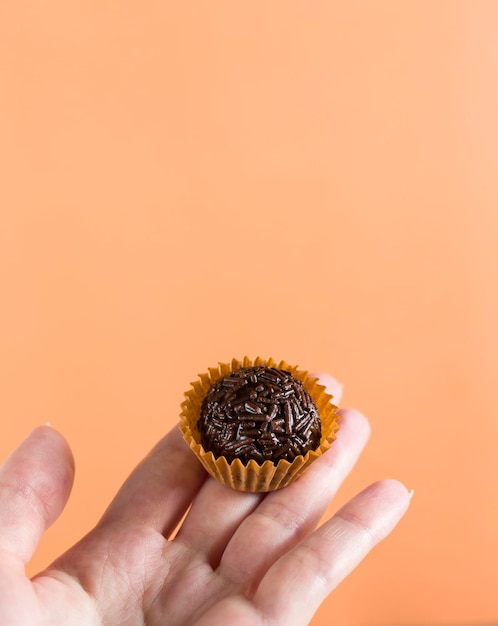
(238, 558)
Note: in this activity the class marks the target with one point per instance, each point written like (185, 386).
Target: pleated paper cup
(254, 476)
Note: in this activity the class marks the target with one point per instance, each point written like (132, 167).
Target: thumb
(35, 483)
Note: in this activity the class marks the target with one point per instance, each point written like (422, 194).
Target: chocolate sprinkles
(259, 413)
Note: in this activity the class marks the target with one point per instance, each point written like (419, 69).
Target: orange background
(186, 182)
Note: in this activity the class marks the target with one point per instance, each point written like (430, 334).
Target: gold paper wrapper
(254, 476)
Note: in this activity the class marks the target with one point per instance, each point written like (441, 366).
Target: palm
(236, 559)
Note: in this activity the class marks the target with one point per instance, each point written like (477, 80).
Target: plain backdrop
(183, 183)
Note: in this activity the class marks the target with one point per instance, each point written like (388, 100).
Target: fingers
(217, 511)
(296, 585)
(160, 489)
(35, 482)
(332, 386)
(285, 517)
(215, 515)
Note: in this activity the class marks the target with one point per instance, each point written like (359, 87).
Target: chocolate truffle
(259, 413)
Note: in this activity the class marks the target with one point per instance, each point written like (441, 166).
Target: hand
(238, 558)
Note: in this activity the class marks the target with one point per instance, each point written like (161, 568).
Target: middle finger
(285, 517)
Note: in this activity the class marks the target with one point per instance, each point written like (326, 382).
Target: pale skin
(238, 558)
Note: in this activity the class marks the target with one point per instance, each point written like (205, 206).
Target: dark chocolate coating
(259, 413)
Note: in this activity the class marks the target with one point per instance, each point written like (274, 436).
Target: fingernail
(411, 492)
(48, 424)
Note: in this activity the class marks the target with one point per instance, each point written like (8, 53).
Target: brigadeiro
(256, 425)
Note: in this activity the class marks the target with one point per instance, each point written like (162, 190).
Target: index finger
(160, 489)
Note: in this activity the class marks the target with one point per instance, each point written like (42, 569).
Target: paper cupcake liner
(255, 477)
